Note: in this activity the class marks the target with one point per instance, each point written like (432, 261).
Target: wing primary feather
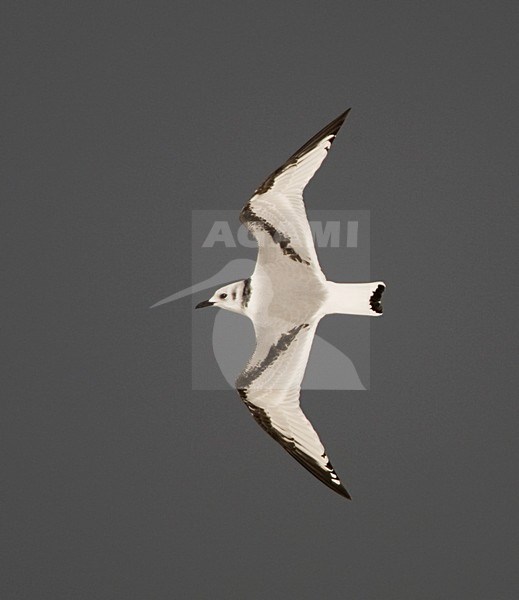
(328, 476)
(330, 129)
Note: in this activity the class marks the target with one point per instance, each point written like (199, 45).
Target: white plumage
(285, 298)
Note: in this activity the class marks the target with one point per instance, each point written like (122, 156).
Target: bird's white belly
(285, 297)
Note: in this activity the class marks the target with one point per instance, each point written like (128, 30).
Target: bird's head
(230, 297)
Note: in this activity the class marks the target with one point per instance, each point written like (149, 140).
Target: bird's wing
(276, 214)
(270, 386)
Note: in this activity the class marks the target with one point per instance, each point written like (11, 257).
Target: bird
(285, 298)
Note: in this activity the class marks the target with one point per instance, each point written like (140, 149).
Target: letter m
(329, 235)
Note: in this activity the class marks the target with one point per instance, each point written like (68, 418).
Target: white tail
(355, 298)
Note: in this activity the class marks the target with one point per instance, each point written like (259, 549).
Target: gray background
(121, 482)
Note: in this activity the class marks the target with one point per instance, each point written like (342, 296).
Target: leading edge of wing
(330, 129)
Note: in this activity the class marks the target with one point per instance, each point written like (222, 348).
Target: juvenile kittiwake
(285, 297)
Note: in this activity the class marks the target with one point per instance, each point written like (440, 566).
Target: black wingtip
(337, 486)
(333, 127)
(340, 489)
(344, 492)
(345, 113)
(342, 117)
(328, 130)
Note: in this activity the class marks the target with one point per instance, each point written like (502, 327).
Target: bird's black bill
(204, 304)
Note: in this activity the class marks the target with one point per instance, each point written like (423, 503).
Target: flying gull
(285, 298)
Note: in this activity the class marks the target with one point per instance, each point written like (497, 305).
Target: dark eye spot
(223, 296)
